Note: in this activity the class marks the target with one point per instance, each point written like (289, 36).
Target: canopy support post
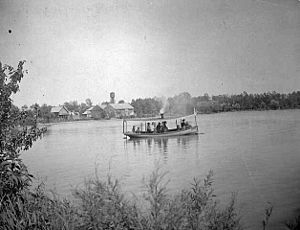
(195, 113)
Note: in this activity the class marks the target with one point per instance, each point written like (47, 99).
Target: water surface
(256, 154)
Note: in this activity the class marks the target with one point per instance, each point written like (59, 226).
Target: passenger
(187, 125)
(153, 123)
(148, 128)
(158, 127)
(133, 129)
(183, 123)
(138, 129)
(164, 126)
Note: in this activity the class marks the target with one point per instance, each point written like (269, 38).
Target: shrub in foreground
(36, 210)
(102, 205)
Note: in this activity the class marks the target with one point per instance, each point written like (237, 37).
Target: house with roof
(95, 112)
(60, 112)
(119, 110)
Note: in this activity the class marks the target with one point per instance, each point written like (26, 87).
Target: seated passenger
(148, 128)
(187, 125)
(164, 126)
(183, 124)
(158, 128)
(154, 126)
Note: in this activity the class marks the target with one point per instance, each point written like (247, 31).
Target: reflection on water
(161, 144)
(253, 153)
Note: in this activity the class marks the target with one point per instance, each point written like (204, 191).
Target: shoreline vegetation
(100, 204)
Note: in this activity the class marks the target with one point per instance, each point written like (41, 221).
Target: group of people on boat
(184, 125)
(161, 127)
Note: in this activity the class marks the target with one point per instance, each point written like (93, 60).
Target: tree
(82, 108)
(181, 104)
(45, 113)
(72, 106)
(274, 104)
(14, 138)
(206, 97)
(146, 107)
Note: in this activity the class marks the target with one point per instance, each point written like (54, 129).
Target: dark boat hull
(190, 131)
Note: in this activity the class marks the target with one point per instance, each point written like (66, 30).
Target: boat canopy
(158, 118)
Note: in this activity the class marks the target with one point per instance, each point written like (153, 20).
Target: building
(95, 112)
(119, 110)
(60, 112)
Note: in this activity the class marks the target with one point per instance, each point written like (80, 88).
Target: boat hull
(190, 131)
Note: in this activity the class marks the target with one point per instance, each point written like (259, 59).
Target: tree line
(184, 103)
(181, 104)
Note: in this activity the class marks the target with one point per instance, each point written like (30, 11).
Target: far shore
(45, 124)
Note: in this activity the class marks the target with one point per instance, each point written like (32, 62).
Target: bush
(102, 206)
(36, 210)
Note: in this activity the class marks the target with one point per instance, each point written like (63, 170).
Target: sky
(141, 48)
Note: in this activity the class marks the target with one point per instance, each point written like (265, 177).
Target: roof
(121, 106)
(57, 109)
(90, 109)
(96, 108)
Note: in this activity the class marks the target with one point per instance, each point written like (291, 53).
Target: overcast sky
(86, 49)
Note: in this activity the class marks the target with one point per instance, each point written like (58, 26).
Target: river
(256, 154)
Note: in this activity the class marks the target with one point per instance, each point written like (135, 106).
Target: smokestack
(161, 112)
(165, 105)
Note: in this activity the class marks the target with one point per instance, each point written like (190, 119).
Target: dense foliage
(146, 107)
(184, 103)
(104, 206)
(15, 136)
(270, 100)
